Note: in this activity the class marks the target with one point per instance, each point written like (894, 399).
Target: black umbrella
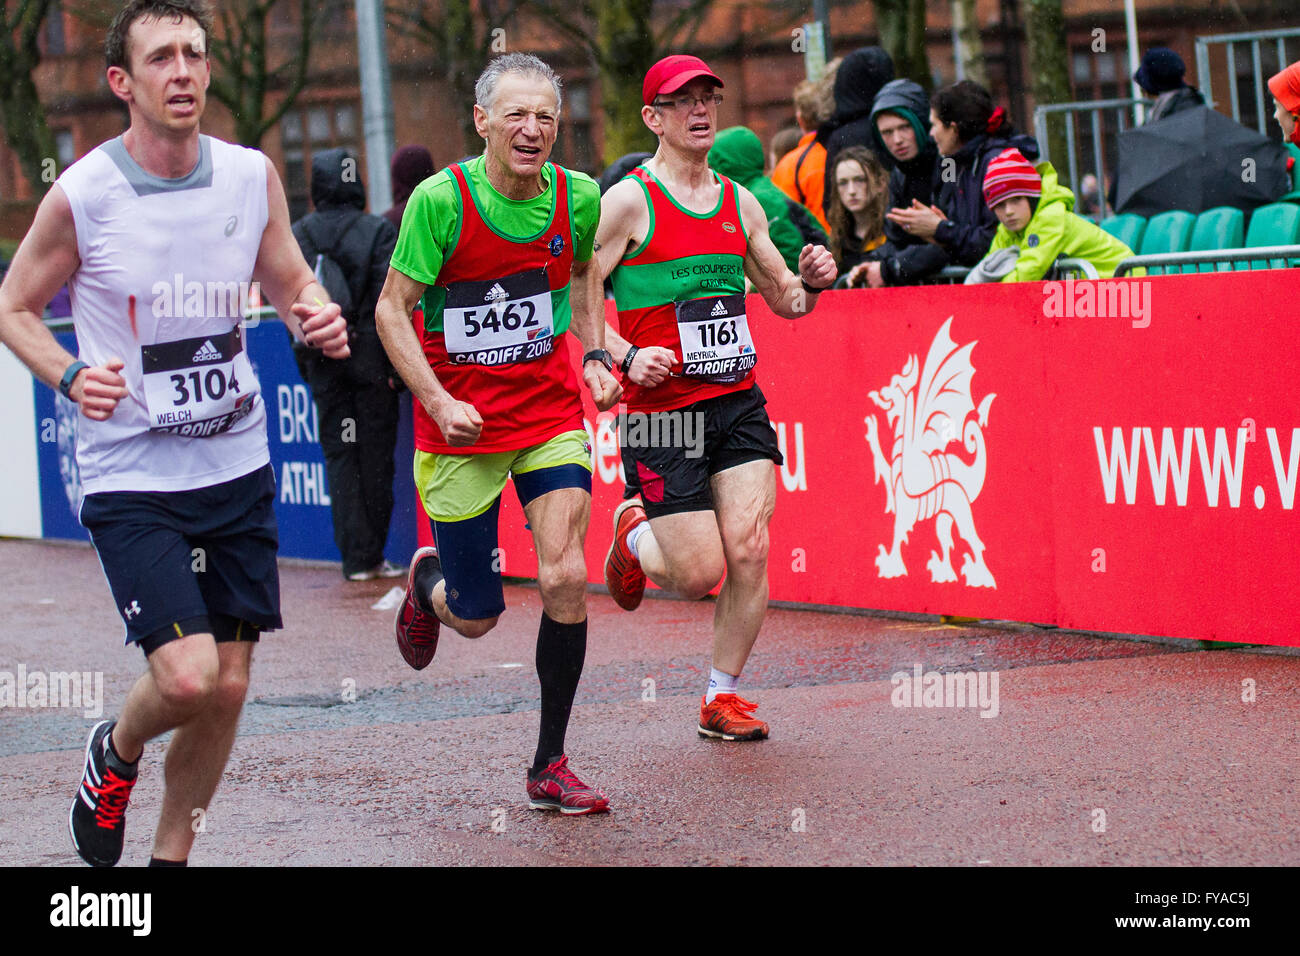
(1196, 160)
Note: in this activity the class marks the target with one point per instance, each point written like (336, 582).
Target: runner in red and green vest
(497, 252)
(698, 448)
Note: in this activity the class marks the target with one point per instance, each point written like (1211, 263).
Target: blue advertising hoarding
(302, 488)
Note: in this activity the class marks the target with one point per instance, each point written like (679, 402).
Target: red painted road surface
(1102, 751)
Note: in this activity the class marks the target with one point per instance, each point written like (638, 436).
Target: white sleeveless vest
(166, 269)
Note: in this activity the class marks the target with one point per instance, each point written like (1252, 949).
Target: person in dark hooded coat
(969, 132)
(899, 120)
(859, 78)
(620, 168)
(355, 397)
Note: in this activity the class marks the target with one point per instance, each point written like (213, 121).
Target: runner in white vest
(161, 234)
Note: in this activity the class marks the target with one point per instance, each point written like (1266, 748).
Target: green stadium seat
(1220, 228)
(1127, 228)
(1277, 224)
(1167, 232)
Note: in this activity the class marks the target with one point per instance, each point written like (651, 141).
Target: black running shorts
(669, 457)
(186, 562)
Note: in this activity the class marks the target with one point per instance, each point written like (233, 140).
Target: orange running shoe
(730, 717)
(623, 574)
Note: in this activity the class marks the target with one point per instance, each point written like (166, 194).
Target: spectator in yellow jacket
(1036, 217)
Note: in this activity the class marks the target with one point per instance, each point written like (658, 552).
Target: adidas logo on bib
(495, 293)
(208, 353)
(719, 309)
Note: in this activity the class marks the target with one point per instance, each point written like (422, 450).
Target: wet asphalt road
(1102, 751)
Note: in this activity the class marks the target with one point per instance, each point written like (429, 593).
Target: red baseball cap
(672, 73)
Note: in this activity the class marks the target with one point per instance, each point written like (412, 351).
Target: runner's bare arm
(459, 422)
(587, 300)
(780, 288)
(288, 283)
(45, 260)
(624, 222)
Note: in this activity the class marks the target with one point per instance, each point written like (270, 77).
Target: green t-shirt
(431, 224)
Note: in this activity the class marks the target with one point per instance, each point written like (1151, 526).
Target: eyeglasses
(685, 102)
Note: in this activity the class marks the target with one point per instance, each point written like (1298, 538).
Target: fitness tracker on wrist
(627, 359)
(70, 376)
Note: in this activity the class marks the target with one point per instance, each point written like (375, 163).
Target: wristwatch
(70, 376)
(602, 356)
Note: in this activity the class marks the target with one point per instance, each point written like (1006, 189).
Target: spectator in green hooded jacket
(737, 153)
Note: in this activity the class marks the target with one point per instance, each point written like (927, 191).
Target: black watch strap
(810, 289)
(627, 359)
(602, 356)
(70, 376)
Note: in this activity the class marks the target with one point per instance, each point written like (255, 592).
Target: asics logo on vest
(231, 225)
(496, 294)
(208, 353)
(557, 244)
(728, 227)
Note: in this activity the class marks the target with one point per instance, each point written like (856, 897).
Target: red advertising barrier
(1115, 456)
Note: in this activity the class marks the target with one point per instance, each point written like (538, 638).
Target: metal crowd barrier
(1093, 110)
(1285, 256)
(1258, 79)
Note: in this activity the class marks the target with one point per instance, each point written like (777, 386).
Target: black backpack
(329, 273)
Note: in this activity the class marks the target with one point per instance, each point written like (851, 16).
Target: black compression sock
(561, 649)
(154, 861)
(427, 576)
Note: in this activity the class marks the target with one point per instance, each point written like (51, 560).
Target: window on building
(65, 148)
(573, 147)
(1096, 76)
(313, 127)
(56, 41)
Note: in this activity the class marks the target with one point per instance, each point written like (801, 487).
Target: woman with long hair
(859, 194)
(968, 131)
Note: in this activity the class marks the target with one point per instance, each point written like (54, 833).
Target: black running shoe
(98, 816)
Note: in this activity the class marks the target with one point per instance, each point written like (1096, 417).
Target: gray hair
(524, 63)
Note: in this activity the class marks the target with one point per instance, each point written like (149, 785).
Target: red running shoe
(730, 717)
(417, 630)
(558, 788)
(623, 574)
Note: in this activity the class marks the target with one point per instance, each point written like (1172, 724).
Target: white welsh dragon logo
(929, 411)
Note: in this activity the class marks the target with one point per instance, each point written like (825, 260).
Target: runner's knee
(701, 577)
(232, 688)
(747, 558)
(476, 628)
(565, 580)
(190, 685)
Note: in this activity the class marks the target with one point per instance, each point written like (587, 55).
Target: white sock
(634, 536)
(720, 683)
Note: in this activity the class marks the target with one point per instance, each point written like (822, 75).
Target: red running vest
(522, 403)
(685, 256)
